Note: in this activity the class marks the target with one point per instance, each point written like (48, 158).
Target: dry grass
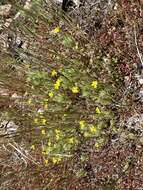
(71, 97)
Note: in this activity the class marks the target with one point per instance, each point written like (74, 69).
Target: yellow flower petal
(56, 160)
(40, 112)
(29, 101)
(51, 94)
(43, 121)
(36, 120)
(49, 143)
(97, 145)
(57, 84)
(57, 137)
(97, 110)
(57, 131)
(43, 151)
(82, 124)
(56, 30)
(93, 129)
(75, 89)
(46, 162)
(43, 132)
(54, 73)
(33, 147)
(94, 84)
(71, 140)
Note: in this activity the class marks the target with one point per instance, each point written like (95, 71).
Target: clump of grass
(68, 97)
(61, 88)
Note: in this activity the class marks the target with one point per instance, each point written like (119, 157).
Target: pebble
(5, 10)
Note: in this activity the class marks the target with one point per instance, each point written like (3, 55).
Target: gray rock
(5, 10)
(135, 123)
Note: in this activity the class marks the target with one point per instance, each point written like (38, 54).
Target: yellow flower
(46, 162)
(94, 84)
(57, 131)
(93, 129)
(97, 110)
(36, 120)
(57, 136)
(49, 143)
(56, 160)
(75, 89)
(29, 101)
(33, 147)
(43, 132)
(51, 94)
(43, 151)
(57, 84)
(43, 121)
(47, 151)
(71, 140)
(54, 73)
(82, 124)
(40, 112)
(56, 30)
(97, 145)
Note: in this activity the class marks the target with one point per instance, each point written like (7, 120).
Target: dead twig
(140, 65)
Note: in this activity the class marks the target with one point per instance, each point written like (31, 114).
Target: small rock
(5, 10)
(141, 96)
(4, 92)
(15, 96)
(134, 123)
(8, 22)
(141, 80)
(141, 140)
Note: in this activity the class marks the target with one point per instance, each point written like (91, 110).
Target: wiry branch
(23, 155)
(140, 66)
